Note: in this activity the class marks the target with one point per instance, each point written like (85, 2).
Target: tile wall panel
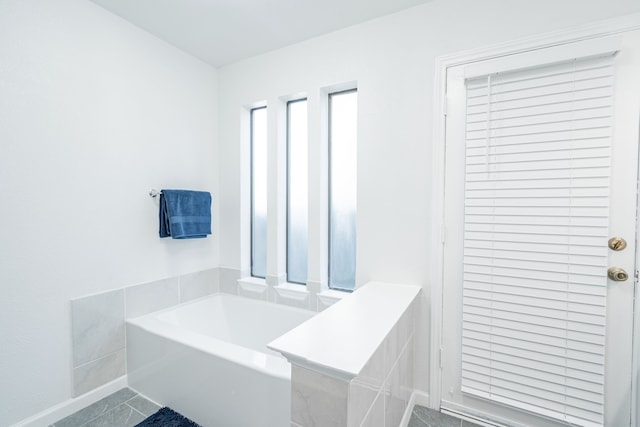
(98, 372)
(98, 323)
(318, 400)
(152, 296)
(199, 284)
(97, 326)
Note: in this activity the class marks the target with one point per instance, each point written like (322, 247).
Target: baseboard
(69, 406)
(417, 398)
(422, 399)
(478, 417)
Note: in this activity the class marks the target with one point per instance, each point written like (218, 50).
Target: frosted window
(259, 192)
(297, 196)
(343, 136)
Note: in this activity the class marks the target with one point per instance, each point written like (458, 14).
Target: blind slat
(512, 160)
(511, 330)
(561, 389)
(573, 290)
(527, 280)
(551, 293)
(585, 99)
(531, 74)
(540, 210)
(528, 358)
(480, 113)
(537, 147)
(527, 100)
(542, 136)
(552, 373)
(498, 122)
(540, 183)
(577, 360)
(573, 125)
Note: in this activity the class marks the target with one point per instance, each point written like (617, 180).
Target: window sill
(252, 284)
(292, 291)
(329, 297)
(332, 293)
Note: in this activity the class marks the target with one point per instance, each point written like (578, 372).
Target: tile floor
(124, 408)
(425, 417)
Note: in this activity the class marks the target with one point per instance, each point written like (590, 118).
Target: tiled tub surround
(98, 323)
(353, 363)
(208, 360)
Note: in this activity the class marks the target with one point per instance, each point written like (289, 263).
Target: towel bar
(154, 193)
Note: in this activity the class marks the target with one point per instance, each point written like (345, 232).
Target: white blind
(538, 146)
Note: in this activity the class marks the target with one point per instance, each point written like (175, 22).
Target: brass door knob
(617, 274)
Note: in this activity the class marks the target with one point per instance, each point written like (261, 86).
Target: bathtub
(208, 360)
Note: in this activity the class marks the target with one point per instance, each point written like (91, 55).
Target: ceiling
(224, 31)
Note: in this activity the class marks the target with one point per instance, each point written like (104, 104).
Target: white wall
(93, 114)
(392, 59)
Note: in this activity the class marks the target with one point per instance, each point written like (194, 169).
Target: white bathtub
(208, 360)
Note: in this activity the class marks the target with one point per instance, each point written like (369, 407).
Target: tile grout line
(137, 396)
(111, 410)
(135, 410)
(101, 357)
(96, 417)
(156, 405)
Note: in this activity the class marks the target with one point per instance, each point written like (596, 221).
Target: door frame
(438, 232)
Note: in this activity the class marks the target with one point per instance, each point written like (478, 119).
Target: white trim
(272, 280)
(329, 297)
(542, 41)
(292, 291)
(479, 417)
(417, 398)
(406, 417)
(314, 287)
(420, 398)
(442, 63)
(437, 229)
(327, 90)
(635, 373)
(253, 287)
(69, 406)
(254, 284)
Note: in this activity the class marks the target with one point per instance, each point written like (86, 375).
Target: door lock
(617, 274)
(617, 243)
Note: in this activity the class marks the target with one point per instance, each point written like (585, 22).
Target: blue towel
(185, 214)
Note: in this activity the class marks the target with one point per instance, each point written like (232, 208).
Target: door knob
(617, 274)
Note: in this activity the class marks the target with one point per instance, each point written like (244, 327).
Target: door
(541, 171)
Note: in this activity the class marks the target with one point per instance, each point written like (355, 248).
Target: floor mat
(167, 417)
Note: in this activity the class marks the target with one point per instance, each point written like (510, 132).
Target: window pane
(259, 192)
(343, 136)
(297, 211)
